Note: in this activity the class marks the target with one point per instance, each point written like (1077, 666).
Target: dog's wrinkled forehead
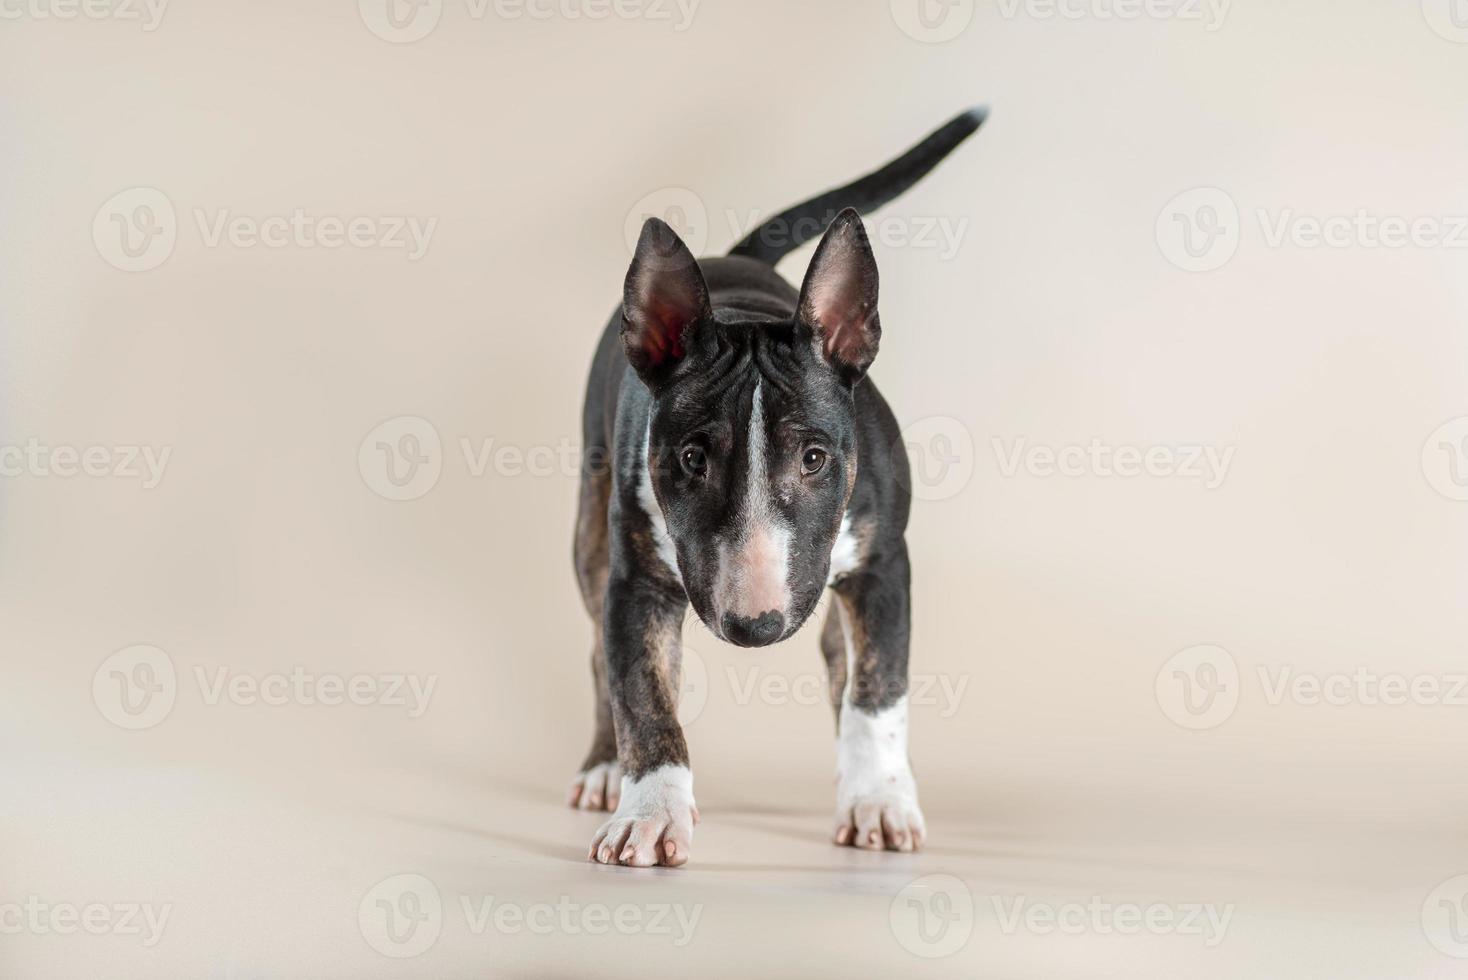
(714, 389)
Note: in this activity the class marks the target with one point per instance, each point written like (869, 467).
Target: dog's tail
(790, 229)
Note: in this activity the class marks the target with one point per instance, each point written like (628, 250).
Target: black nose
(754, 631)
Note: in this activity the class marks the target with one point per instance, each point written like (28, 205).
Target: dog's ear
(838, 300)
(663, 299)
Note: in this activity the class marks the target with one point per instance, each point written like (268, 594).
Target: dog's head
(752, 437)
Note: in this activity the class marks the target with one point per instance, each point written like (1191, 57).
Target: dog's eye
(694, 461)
(812, 462)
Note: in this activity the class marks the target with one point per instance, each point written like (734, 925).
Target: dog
(737, 458)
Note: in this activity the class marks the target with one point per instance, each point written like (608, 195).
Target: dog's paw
(880, 812)
(653, 823)
(597, 788)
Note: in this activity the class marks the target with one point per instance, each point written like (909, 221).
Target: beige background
(1052, 603)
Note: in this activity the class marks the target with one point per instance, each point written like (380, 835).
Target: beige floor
(1061, 622)
(260, 882)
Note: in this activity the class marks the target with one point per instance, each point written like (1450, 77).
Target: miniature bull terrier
(738, 459)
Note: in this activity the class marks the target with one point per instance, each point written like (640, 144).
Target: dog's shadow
(750, 818)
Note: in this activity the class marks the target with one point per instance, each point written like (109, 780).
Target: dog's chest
(667, 554)
(845, 554)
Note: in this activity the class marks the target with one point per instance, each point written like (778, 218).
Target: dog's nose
(753, 631)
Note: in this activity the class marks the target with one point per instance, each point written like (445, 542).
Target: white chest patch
(649, 501)
(844, 555)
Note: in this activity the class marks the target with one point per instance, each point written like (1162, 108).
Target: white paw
(597, 788)
(876, 797)
(653, 823)
(886, 818)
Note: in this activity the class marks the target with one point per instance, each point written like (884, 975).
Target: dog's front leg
(876, 796)
(655, 813)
